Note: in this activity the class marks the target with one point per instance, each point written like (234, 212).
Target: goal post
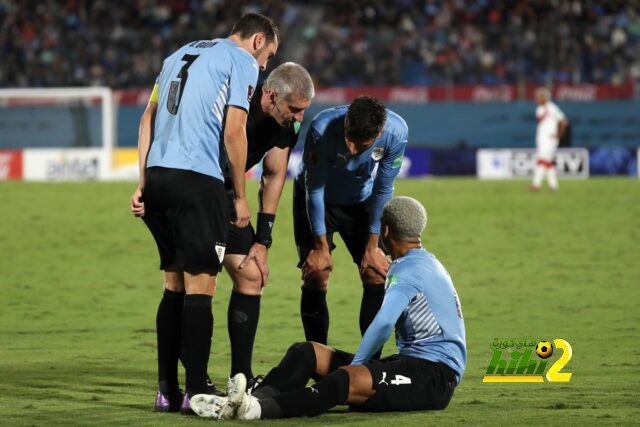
(60, 133)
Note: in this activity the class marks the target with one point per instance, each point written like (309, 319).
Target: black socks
(197, 329)
(242, 322)
(332, 390)
(168, 330)
(372, 297)
(294, 371)
(315, 314)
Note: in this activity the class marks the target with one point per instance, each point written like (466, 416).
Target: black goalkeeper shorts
(239, 240)
(188, 215)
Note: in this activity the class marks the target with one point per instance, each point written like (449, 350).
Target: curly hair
(405, 216)
(365, 119)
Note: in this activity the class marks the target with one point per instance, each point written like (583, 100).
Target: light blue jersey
(195, 86)
(423, 304)
(332, 175)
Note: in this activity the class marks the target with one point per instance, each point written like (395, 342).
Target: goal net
(58, 134)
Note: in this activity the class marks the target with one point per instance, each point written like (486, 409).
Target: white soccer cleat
(236, 387)
(207, 405)
(249, 409)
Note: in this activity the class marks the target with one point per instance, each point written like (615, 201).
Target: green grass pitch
(79, 288)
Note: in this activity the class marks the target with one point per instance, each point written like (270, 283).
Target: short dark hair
(252, 23)
(365, 119)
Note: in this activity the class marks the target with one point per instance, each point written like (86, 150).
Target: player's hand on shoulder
(259, 254)
(318, 261)
(136, 203)
(242, 212)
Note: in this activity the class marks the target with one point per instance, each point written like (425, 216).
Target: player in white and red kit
(552, 124)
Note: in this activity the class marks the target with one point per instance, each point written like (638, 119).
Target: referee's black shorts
(404, 383)
(188, 215)
(240, 239)
(351, 221)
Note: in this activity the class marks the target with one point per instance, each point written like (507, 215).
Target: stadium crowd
(341, 42)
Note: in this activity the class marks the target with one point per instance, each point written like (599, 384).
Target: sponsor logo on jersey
(397, 162)
(377, 154)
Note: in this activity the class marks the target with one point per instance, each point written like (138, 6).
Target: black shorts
(404, 383)
(239, 240)
(351, 221)
(187, 214)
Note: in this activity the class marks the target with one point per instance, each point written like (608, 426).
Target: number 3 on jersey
(177, 88)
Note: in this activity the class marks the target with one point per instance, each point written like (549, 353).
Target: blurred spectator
(122, 43)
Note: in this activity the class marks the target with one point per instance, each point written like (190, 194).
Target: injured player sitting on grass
(420, 301)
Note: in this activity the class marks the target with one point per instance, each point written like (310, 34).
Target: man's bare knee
(317, 280)
(248, 280)
(324, 354)
(201, 283)
(173, 279)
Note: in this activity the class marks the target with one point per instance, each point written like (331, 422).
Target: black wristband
(264, 227)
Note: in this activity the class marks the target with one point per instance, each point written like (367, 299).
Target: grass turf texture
(80, 289)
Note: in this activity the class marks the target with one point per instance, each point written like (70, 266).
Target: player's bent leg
(313, 307)
(324, 358)
(168, 330)
(330, 391)
(243, 312)
(294, 371)
(360, 384)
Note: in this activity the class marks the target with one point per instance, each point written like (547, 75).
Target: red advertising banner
(424, 94)
(10, 164)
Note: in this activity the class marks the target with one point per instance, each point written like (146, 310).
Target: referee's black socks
(168, 330)
(372, 297)
(315, 314)
(197, 329)
(242, 321)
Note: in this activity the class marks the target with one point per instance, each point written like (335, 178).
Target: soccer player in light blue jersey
(336, 191)
(420, 301)
(200, 98)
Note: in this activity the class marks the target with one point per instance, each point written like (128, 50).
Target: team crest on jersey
(249, 93)
(377, 154)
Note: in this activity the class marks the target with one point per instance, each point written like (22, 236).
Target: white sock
(538, 175)
(249, 408)
(552, 176)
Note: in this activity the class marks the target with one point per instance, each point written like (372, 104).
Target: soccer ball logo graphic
(544, 349)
